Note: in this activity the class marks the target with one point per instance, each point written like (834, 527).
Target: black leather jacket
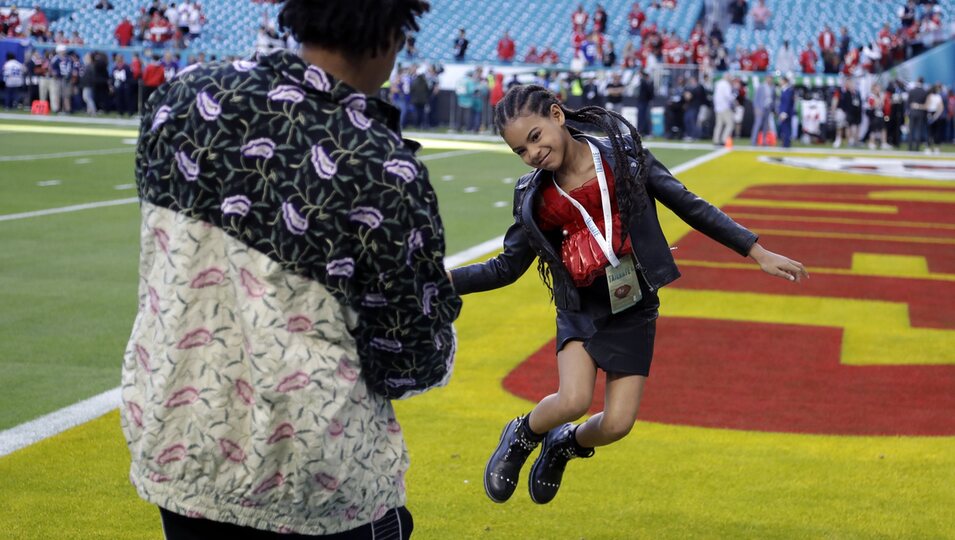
(524, 240)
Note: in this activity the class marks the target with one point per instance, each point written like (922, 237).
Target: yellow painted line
(807, 205)
(846, 221)
(913, 195)
(875, 332)
(873, 263)
(65, 130)
(859, 236)
(886, 272)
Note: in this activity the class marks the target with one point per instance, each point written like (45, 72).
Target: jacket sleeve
(503, 269)
(404, 301)
(696, 212)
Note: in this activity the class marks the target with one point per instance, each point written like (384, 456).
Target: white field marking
(48, 183)
(123, 187)
(453, 153)
(471, 189)
(117, 202)
(60, 155)
(501, 204)
(447, 177)
(508, 180)
(83, 161)
(58, 421)
(131, 141)
(67, 130)
(70, 120)
(66, 209)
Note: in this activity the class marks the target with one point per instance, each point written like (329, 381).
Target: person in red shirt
(38, 22)
(153, 77)
(124, 32)
(13, 23)
(636, 18)
(850, 62)
(827, 39)
(600, 19)
(579, 19)
(505, 48)
(808, 59)
(761, 58)
(532, 56)
(550, 56)
(577, 40)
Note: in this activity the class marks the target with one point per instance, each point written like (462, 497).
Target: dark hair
(355, 27)
(630, 189)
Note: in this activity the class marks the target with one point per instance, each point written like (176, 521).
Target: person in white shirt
(786, 61)
(13, 79)
(935, 109)
(723, 103)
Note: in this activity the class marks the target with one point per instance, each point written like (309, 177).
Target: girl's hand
(777, 265)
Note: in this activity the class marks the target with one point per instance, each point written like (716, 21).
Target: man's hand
(777, 265)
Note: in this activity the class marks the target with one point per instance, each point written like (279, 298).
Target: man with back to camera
(292, 284)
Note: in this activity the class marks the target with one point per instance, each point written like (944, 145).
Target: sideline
(78, 153)
(54, 423)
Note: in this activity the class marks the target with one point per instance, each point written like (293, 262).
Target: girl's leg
(621, 402)
(577, 373)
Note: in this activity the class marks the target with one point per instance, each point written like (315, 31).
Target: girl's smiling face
(540, 141)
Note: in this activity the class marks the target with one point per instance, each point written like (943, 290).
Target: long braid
(534, 99)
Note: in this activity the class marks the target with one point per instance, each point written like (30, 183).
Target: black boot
(560, 446)
(504, 467)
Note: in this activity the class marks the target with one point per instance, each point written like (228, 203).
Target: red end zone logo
(882, 259)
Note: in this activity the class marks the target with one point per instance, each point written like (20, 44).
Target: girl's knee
(573, 405)
(616, 428)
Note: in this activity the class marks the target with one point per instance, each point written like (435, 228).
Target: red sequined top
(580, 252)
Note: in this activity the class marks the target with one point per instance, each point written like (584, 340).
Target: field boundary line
(60, 155)
(54, 423)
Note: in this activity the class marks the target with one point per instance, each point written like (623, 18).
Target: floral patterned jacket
(291, 283)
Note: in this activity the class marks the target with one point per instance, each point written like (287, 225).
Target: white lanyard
(605, 241)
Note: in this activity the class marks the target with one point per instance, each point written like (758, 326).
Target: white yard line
(79, 153)
(59, 421)
(53, 118)
(66, 209)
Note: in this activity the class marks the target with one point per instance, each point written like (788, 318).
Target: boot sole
(500, 444)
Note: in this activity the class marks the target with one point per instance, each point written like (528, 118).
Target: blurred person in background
(14, 79)
(290, 288)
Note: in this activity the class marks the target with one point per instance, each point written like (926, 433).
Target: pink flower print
(284, 431)
(335, 428)
(405, 170)
(237, 205)
(199, 337)
(188, 167)
(393, 426)
(193, 513)
(259, 148)
(153, 301)
(288, 93)
(295, 381)
(323, 164)
(143, 356)
(317, 79)
(207, 278)
(185, 396)
(351, 513)
(136, 412)
(162, 239)
(294, 221)
(208, 107)
(249, 503)
(253, 287)
(160, 118)
(157, 477)
(269, 484)
(287, 530)
(327, 481)
(231, 450)
(346, 370)
(176, 452)
(298, 323)
(245, 391)
(379, 512)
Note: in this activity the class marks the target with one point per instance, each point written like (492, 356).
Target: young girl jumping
(588, 214)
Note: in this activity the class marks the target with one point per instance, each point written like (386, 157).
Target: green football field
(69, 232)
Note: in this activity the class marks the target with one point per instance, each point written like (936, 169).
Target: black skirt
(619, 343)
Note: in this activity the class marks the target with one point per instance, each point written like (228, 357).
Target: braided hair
(630, 189)
(355, 27)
